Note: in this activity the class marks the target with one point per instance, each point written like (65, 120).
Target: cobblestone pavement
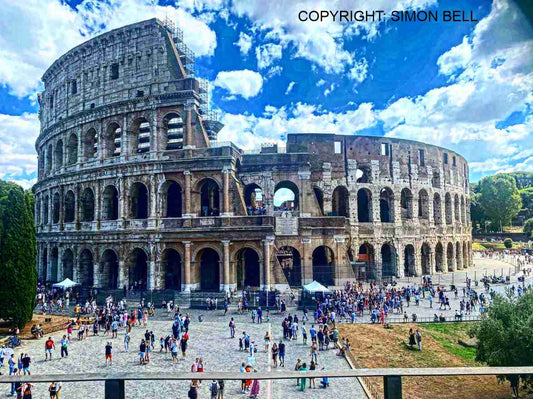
(209, 340)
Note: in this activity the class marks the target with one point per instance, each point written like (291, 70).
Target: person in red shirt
(48, 346)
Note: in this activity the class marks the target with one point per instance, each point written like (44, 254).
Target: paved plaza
(211, 341)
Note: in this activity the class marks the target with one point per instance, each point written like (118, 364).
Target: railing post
(392, 385)
(114, 389)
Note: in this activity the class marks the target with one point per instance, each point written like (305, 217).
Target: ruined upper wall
(134, 61)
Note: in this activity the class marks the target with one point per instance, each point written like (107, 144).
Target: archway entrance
(138, 273)
(449, 256)
(139, 201)
(53, 268)
(86, 268)
(341, 202)
(174, 200)
(291, 263)
(248, 269)
(388, 262)
(109, 269)
(366, 255)
(253, 198)
(209, 198)
(172, 268)
(425, 258)
(386, 205)
(364, 206)
(67, 261)
(439, 257)
(110, 203)
(286, 196)
(324, 265)
(209, 270)
(44, 273)
(409, 261)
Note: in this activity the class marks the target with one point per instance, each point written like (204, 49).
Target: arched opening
(138, 270)
(465, 256)
(409, 261)
(388, 261)
(86, 268)
(90, 144)
(55, 208)
(109, 269)
(87, 205)
(248, 270)
(458, 256)
(341, 202)
(324, 265)
(439, 257)
(437, 209)
(209, 198)
(38, 211)
(111, 143)
(72, 149)
(49, 158)
(46, 205)
(110, 203)
(54, 259)
(291, 263)
(253, 198)
(457, 211)
(173, 132)
(448, 208)
(67, 260)
(70, 204)
(366, 255)
(463, 210)
(140, 136)
(435, 180)
(386, 205)
(425, 257)
(139, 201)
(423, 205)
(362, 175)
(45, 265)
(319, 196)
(172, 267)
(449, 257)
(286, 196)
(209, 270)
(406, 203)
(364, 206)
(59, 154)
(173, 203)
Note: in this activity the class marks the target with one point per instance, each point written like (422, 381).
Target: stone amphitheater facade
(134, 190)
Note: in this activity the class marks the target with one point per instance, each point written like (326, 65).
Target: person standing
(127, 341)
(303, 380)
(48, 346)
(418, 338)
(232, 328)
(281, 348)
(109, 353)
(412, 339)
(64, 346)
(26, 360)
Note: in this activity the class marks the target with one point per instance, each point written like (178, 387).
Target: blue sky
(463, 85)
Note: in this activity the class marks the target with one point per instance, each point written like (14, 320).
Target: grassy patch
(477, 246)
(448, 334)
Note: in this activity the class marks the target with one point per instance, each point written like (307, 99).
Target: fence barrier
(392, 377)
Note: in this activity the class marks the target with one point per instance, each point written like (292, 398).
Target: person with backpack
(214, 389)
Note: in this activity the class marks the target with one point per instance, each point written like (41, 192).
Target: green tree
(17, 257)
(508, 243)
(499, 198)
(506, 333)
(528, 227)
(527, 201)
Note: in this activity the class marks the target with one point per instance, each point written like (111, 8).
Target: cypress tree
(17, 258)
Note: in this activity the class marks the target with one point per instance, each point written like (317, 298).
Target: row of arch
(380, 262)
(171, 202)
(112, 142)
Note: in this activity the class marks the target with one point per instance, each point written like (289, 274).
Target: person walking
(48, 346)
(418, 338)
(281, 348)
(109, 354)
(64, 346)
(127, 341)
(275, 352)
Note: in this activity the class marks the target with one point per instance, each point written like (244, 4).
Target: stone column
(151, 272)
(307, 269)
(187, 265)
(226, 270)
(444, 257)
(98, 204)
(397, 208)
(59, 264)
(339, 244)
(303, 178)
(399, 265)
(48, 262)
(122, 277)
(61, 208)
(189, 140)
(226, 208)
(187, 195)
(153, 201)
(77, 208)
(266, 263)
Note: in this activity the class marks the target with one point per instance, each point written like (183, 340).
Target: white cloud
(329, 89)
(245, 83)
(275, 70)
(244, 43)
(359, 71)
(289, 87)
(41, 31)
(267, 54)
(321, 82)
(455, 58)
(17, 147)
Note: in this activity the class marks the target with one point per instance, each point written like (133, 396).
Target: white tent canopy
(66, 283)
(315, 286)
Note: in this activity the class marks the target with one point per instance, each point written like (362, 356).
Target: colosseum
(134, 190)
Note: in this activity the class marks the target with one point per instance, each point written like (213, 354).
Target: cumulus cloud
(267, 54)
(289, 87)
(244, 43)
(244, 83)
(359, 71)
(41, 31)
